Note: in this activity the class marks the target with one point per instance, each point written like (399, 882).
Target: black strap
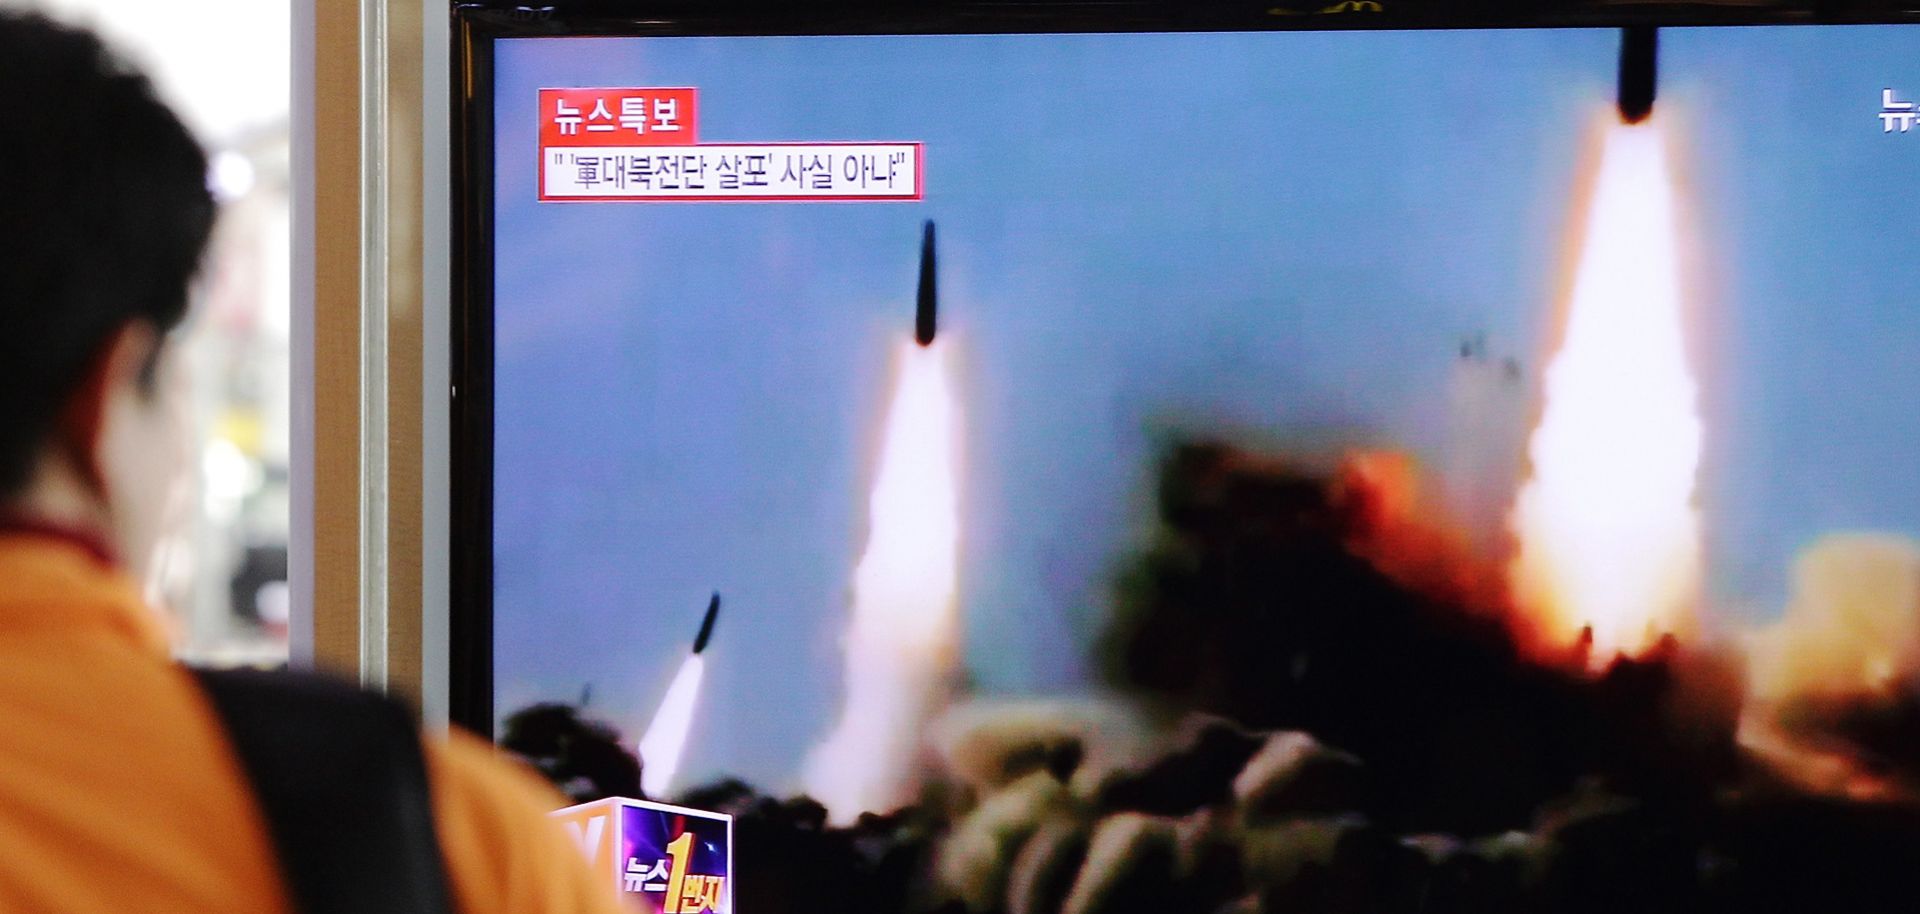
(339, 776)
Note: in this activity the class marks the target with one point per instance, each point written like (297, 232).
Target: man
(119, 790)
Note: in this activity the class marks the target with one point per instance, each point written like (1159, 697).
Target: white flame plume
(901, 644)
(1608, 533)
(666, 738)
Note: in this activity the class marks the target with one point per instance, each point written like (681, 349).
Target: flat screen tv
(1088, 457)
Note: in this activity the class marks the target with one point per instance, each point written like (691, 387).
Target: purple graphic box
(666, 859)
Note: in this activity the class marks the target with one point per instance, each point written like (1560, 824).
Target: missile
(924, 325)
(1639, 57)
(706, 624)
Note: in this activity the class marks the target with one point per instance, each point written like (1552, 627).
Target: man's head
(104, 213)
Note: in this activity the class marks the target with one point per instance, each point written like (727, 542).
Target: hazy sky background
(1281, 235)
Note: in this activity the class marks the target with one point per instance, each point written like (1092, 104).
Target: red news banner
(642, 145)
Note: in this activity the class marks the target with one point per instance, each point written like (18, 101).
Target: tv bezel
(475, 26)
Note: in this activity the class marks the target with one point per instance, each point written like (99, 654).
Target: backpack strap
(339, 775)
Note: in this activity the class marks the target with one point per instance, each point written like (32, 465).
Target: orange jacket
(118, 791)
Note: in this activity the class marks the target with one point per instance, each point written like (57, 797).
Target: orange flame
(1406, 538)
(1608, 537)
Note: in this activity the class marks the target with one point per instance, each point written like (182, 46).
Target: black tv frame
(476, 25)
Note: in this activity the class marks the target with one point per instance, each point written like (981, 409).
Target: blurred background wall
(225, 66)
(319, 347)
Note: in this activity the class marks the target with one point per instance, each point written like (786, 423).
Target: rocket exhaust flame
(901, 642)
(666, 737)
(1608, 536)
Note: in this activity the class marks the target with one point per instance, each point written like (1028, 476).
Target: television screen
(1298, 466)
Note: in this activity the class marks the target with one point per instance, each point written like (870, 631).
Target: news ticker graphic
(768, 172)
(665, 859)
(642, 144)
(619, 117)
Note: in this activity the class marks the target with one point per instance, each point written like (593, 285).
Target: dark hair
(104, 213)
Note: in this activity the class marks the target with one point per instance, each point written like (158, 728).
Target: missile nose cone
(925, 319)
(1639, 59)
(706, 624)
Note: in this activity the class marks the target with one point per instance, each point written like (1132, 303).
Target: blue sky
(1282, 236)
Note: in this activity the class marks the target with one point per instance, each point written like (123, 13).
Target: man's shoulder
(475, 773)
(503, 851)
